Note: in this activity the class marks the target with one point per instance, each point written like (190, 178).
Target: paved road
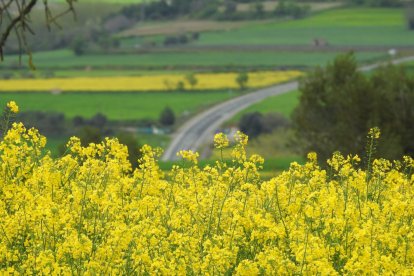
(201, 128)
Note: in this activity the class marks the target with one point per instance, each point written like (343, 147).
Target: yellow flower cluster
(221, 141)
(13, 107)
(89, 213)
(204, 81)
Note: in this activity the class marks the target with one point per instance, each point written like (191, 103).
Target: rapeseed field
(88, 212)
(166, 82)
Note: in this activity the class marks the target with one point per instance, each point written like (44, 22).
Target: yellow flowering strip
(88, 213)
(204, 81)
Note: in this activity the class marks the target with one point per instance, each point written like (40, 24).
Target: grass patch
(153, 140)
(117, 106)
(65, 59)
(283, 104)
(111, 73)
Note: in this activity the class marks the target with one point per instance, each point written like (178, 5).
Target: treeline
(228, 9)
(218, 10)
(95, 128)
(378, 3)
(371, 3)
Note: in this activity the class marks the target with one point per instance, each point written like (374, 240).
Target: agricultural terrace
(217, 60)
(352, 26)
(163, 82)
(179, 27)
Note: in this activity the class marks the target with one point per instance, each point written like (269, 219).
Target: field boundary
(261, 48)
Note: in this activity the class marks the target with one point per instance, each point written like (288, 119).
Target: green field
(111, 73)
(71, 73)
(65, 59)
(271, 165)
(346, 27)
(117, 106)
(353, 26)
(283, 104)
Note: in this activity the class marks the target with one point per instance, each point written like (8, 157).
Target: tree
(90, 134)
(14, 19)
(251, 124)
(48, 123)
(192, 80)
(129, 140)
(79, 46)
(339, 104)
(167, 117)
(254, 124)
(99, 121)
(230, 7)
(259, 9)
(242, 79)
(409, 15)
(290, 8)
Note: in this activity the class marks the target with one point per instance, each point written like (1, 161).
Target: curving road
(201, 128)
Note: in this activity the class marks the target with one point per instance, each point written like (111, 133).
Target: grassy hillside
(352, 26)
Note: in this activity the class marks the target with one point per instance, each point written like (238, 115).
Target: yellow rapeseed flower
(221, 141)
(13, 106)
(87, 212)
(164, 82)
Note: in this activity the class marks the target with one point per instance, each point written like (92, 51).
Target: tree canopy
(339, 104)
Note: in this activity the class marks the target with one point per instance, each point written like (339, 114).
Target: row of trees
(223, 10)
(378, 3)
(372, 3)
(227, 9)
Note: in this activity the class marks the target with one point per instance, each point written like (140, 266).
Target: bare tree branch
(20, 23)
(12, 25)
